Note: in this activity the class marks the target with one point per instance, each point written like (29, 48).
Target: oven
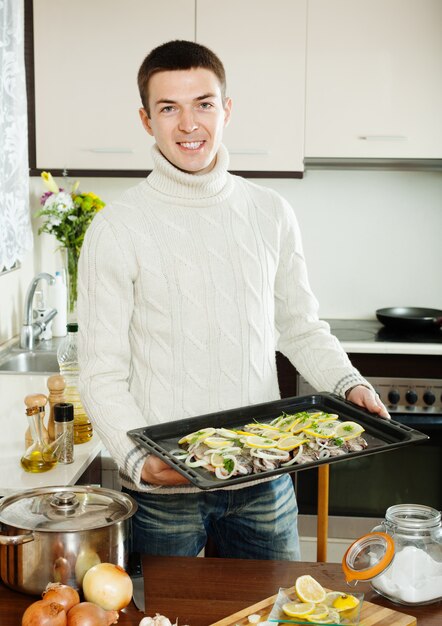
(408, 377)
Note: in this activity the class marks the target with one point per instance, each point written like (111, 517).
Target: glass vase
(70, 263)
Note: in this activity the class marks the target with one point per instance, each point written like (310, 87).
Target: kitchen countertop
(202, 591)
(372, 337)
(13, 425)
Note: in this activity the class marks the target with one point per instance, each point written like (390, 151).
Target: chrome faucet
(30, 329)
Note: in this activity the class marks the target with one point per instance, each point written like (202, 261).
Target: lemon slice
(262, 426)
(255, 441)
(348, 430)
(300, 425)
(309, 590)
(217, 460)
(331, 596)
(198, 435)
(289, 443)
(320, 613)
(226, 432)
(298, 609)
(327, 417)
(345, 602)
(216, 442)
(325, 430)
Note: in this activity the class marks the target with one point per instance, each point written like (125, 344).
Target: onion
(90, 614)
(43, 613)
(108, 585)
(63, 594)
(324, 454)
(196, 463)
(295, 458)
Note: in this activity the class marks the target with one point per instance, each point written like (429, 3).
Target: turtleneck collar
(168, 180)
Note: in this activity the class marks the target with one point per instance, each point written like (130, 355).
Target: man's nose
(188, 122)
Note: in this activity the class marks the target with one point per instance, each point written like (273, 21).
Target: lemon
(226, 432)
(309, 590)
(289, 443)
(216, 442)
(299, 424)
(217, 460)
(298, 609)
(198, 435)
(348, 430)
(345, 602)
(325, 430)
(255, 441)
(327, 417)
(320, 613)
(261, 426)
(331, 596)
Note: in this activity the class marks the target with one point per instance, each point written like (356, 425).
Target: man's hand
(367, 399)
(157, 472)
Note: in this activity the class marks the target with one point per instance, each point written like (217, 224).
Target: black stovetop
(374, 331)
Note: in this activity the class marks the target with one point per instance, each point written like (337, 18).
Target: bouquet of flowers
(67, 216)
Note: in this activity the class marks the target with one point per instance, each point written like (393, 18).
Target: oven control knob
(394, 396)
(429, 398)
(411, 397)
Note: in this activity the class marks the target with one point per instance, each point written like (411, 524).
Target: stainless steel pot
(55, 534)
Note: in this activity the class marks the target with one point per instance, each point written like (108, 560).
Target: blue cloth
(256, 522)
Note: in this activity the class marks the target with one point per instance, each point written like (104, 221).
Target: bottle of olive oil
(40, 456)
(68, 362)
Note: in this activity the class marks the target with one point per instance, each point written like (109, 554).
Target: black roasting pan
(381, 435)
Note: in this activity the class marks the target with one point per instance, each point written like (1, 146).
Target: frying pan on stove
(410, 318)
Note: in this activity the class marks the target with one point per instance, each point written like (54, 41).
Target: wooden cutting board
(371, 615)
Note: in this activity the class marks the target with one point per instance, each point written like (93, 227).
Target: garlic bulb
(158, 620)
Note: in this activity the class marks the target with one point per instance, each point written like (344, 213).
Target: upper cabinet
(86, 58)
(262, 46)
(374, 79)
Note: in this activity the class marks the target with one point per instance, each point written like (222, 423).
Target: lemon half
(309, 590)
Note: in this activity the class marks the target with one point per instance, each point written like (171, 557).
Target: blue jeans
(256, 522)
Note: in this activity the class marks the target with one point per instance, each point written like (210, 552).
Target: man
(184, 284)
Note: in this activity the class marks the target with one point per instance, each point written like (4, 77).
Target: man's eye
(167, 109)
(206, 105)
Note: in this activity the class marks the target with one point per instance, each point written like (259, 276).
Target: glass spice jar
(402, 557)
(64, 428)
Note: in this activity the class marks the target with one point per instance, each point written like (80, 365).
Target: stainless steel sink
(29, 363)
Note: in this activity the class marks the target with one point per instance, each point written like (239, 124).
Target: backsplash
(372, 238)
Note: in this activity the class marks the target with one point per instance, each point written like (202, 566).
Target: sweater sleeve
(303, 337)
(105, 303)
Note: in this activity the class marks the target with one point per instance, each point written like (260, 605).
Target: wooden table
(201, 591)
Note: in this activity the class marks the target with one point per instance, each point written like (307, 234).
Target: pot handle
(15, 540)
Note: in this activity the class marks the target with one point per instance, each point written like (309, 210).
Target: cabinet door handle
(250, 152)
(383, 137)
(109, 150)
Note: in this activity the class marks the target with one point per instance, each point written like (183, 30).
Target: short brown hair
(178, 55)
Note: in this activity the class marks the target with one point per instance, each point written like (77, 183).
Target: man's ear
(145, 120)
(227, 111)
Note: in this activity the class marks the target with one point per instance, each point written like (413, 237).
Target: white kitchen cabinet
(262, 46)
(87, 56)
(374, 79)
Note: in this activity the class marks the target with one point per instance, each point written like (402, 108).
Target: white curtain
(15, 221)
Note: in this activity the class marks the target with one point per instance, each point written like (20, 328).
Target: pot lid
(66, 509)
(368, 556)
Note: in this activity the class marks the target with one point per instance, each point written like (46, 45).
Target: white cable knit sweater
(184, 285)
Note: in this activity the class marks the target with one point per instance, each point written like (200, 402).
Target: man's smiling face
(187, 116)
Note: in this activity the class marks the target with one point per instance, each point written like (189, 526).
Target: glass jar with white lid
(402, 557)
